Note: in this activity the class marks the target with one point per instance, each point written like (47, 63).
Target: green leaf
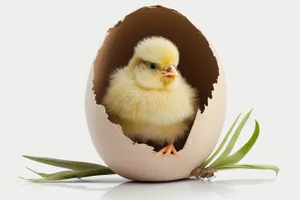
(262, 167)
(74, 165)
(64, 175)
(236, 157)
(233, 140)
(222, 144)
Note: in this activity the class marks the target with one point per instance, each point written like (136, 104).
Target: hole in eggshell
(197, 63)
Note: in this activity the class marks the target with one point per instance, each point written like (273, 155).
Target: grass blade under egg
(43, 175)
(248, 166)
(64, 175)
(73, 165)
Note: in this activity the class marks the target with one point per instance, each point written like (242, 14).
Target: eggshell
(198, 64)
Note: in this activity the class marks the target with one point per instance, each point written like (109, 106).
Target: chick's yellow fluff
(158, 50)
(160, 113)
(149, 114)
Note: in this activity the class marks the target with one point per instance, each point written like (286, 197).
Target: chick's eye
(153, 66)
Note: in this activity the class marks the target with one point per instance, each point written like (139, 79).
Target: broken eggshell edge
(136, 162)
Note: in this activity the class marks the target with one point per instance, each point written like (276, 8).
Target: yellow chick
(149, 98)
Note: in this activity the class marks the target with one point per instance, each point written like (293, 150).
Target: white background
(47, 48)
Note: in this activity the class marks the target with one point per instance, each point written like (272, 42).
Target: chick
(149, 98)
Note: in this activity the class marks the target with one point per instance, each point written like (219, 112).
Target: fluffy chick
(149, 98)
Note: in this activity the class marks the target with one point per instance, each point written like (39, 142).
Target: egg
(198, 65)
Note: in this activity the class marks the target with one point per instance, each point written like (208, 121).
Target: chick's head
(154, 64)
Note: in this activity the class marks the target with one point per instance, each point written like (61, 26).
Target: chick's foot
(167, 151)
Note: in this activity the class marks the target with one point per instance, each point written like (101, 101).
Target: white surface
(46, 52)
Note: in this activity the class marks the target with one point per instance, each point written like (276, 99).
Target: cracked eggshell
(198, 64)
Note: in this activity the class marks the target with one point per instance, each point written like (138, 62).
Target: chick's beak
(170, 72)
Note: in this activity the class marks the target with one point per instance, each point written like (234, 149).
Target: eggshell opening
(193, 47)
(198, 66)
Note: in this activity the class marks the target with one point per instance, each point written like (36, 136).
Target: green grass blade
(38, 173)
(222, 144)
(236, 157)
(64, 175)
(262, 167)
(73, 165)
(43, 175)
(233, 140)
